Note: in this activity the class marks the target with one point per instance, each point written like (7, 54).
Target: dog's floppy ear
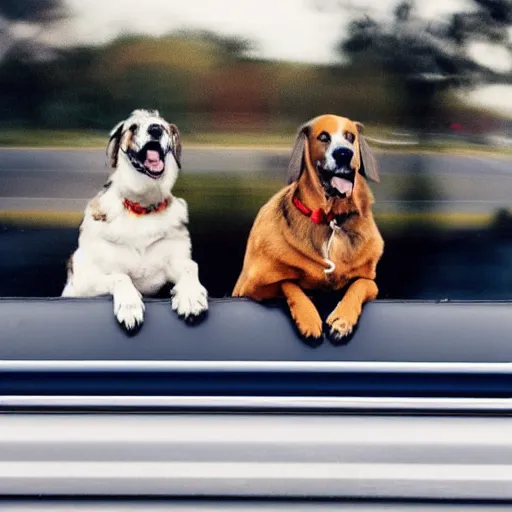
(368, 167)
(297, 158)
(176, 143)
(113, 144)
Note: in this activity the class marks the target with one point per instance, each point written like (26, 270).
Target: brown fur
(118, 139)
(99, 216)
(285, 250)
(96, 212)
(176, 143)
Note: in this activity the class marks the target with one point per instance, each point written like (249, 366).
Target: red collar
(317, 216)
(138, 209)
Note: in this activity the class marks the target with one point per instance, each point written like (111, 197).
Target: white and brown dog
(318, 233)
(134, 237)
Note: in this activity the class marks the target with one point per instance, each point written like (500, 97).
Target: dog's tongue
(153, 162)
(341, 185)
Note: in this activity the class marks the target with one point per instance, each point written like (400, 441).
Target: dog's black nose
(155, 130)
(342, 156)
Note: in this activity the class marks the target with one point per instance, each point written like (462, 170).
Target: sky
(293, 30)
(296, 30)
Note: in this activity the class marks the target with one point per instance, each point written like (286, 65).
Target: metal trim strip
(254, 366)
(324, 404)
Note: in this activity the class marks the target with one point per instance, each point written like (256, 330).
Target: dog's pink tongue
(341, 185)
(153, 162)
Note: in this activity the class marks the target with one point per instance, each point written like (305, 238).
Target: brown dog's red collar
(138, 209)
(317, 216)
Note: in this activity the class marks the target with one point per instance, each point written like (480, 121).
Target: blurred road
(215, 159)
(433, 265)
(34, 178)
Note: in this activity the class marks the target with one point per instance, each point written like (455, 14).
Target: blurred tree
(39, 13)
(232, 48)
(424, 57)
(31, 11)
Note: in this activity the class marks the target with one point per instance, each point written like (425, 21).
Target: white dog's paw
(129, 309)
(190, 301)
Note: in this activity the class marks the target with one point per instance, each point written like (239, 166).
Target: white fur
(337, 140)
(128, 255)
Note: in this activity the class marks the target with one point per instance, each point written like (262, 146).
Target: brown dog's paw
(312, 341)
(310, 332)
(339, 329)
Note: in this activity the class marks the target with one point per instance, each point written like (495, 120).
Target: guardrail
(71, 352)
(416, 407)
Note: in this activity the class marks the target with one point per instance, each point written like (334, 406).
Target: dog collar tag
(332, 266)
(334, 225)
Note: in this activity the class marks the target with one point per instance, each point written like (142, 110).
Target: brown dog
(318, 233)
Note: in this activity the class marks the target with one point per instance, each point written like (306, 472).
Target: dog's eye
(350, 137)
(133, 128)
(324, 137)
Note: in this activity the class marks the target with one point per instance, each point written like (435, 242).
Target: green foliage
(415, 49)
(188, 77)
(31, 11)
(206, 82)
(426, 58)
